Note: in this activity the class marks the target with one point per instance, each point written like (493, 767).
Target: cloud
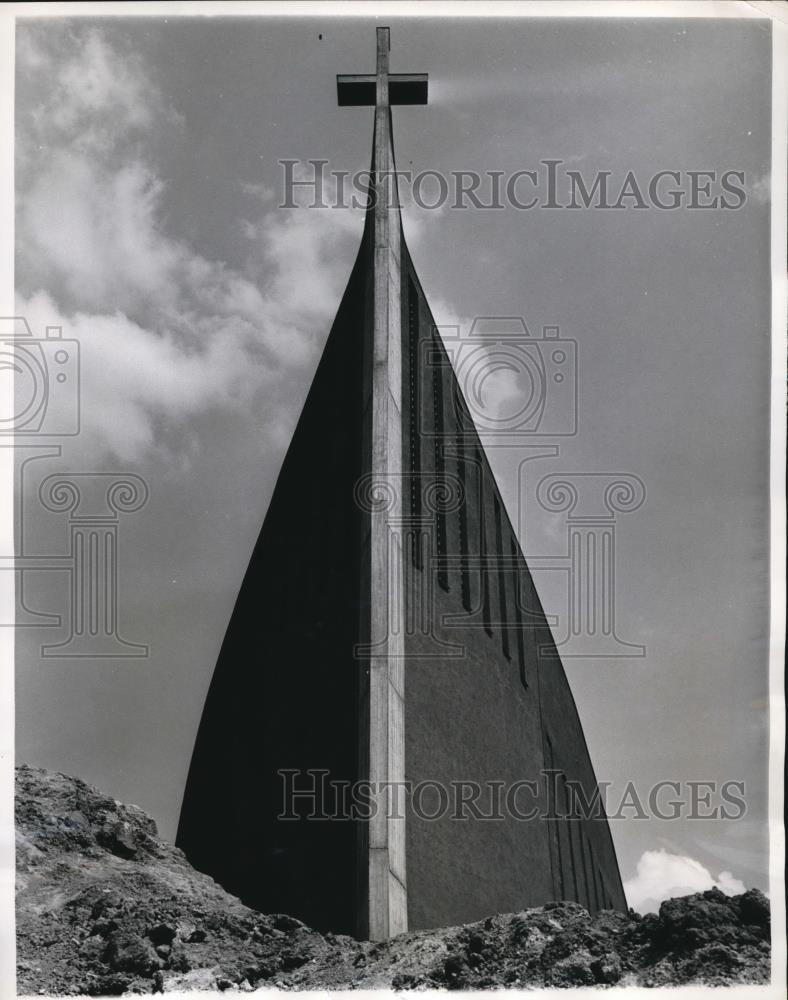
(661, 875)
(761, 189)
(141, 388)
(80, 86)
(166, 333)
(91, 235)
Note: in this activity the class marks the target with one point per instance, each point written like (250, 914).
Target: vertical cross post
(384, 904)
(387, 901)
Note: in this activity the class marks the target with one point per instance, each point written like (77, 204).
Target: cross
(384, 904)
(382, 88)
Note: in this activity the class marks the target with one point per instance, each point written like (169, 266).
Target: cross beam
(356, 90)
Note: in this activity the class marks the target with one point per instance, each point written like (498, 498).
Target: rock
(104, 907)
(185, 929)
(92, 948)
(607, 970)
(128, 952)
(754, 908)
(108, 901)
(197, 979)
(455, 971)
(118, 837)
(574, 970)
(161, 934)
(284, 923)
(178, 958)
(109, 986)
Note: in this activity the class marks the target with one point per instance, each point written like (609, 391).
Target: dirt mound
(105, 907)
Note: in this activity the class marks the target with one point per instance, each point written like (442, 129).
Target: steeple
(388, 631)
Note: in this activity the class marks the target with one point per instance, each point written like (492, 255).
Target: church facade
(389, 741)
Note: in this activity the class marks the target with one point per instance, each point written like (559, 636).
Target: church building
(388, 635)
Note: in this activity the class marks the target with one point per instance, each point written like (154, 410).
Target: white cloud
(302, 242)
(761, 189)
(661, 875)
(92, 234)
(140, 388)
(166, 334)
(89, 87)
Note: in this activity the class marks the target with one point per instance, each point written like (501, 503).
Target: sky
(148, 226)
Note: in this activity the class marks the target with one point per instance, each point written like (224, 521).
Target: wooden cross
(364, 89)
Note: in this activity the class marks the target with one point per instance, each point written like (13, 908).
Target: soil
(104, 907)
